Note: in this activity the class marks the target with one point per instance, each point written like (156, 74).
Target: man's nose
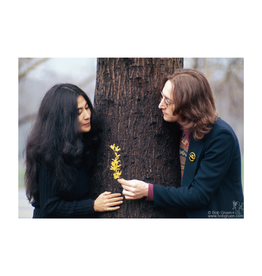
(161, 104)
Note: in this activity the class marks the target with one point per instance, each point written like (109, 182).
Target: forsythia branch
(115, 164)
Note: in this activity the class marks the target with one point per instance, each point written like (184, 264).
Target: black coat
(73, 204)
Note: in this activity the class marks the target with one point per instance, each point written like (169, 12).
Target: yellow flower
(117, 148)
(117, 175)
(113, 147)
(115, 164)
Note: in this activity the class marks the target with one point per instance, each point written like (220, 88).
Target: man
(209, 153)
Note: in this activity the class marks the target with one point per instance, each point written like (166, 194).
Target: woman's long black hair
(57, 142)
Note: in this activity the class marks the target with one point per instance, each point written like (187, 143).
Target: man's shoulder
(220, 127)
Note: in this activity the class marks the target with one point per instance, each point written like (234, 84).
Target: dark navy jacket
(211, 185)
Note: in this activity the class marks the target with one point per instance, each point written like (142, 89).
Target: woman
(60, 157)
(209, 153)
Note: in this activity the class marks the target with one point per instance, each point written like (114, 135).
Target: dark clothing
(74, 204)
(211, 185)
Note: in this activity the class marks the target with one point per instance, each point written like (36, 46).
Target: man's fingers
(122, 181)
(129, 197)
(128, 194)
(127, 188)
(130, 185)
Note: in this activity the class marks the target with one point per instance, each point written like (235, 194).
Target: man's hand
(134, 189)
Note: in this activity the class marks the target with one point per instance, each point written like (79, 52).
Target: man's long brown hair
(194, 101)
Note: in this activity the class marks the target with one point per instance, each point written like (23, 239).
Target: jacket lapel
(195, 148)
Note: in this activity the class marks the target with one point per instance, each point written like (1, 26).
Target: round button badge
(192, 156)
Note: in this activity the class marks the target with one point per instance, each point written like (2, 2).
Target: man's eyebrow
(165, 96)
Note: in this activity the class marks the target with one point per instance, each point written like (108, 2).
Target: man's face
(167, 103)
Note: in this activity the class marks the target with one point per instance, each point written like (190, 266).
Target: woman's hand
(107, 202)
(134, 189)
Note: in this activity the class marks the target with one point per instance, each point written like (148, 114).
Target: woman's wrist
(95, 205)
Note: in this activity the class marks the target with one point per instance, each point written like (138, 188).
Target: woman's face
(84, 114)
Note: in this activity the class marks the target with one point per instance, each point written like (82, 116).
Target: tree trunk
(127, 103)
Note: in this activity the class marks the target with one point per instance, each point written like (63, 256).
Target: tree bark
(126, 101)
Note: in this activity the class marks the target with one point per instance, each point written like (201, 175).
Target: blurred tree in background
(226, 76)
(26, 65)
